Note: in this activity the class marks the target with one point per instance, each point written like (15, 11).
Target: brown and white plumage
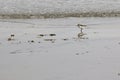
(81, 25)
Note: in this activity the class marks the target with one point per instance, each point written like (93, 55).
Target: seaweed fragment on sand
(51, 40)
(65, 39)
(41, 35)
(52, 34)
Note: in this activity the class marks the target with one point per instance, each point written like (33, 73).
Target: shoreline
(59, 15)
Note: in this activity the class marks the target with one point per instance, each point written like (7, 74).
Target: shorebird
(81, 25)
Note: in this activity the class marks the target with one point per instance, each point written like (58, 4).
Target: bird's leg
(81, 30)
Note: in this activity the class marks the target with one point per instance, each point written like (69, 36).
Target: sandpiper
(81, 25)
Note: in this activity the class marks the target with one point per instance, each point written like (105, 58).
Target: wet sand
(49, 49)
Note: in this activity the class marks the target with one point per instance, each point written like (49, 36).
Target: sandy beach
(49, 49)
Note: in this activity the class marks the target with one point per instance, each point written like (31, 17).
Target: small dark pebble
(87, 38)
(48, 39)
(118, 74)
(77, 53)
(31, 51)
(28, 41)
(32, 41)
(12, 35)
(119, 43)
(65, 39)
(94, 32)
(12, 52)
(53, 41)
(9, 39)
(19, 42)
(41, 35)
(52, 34)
